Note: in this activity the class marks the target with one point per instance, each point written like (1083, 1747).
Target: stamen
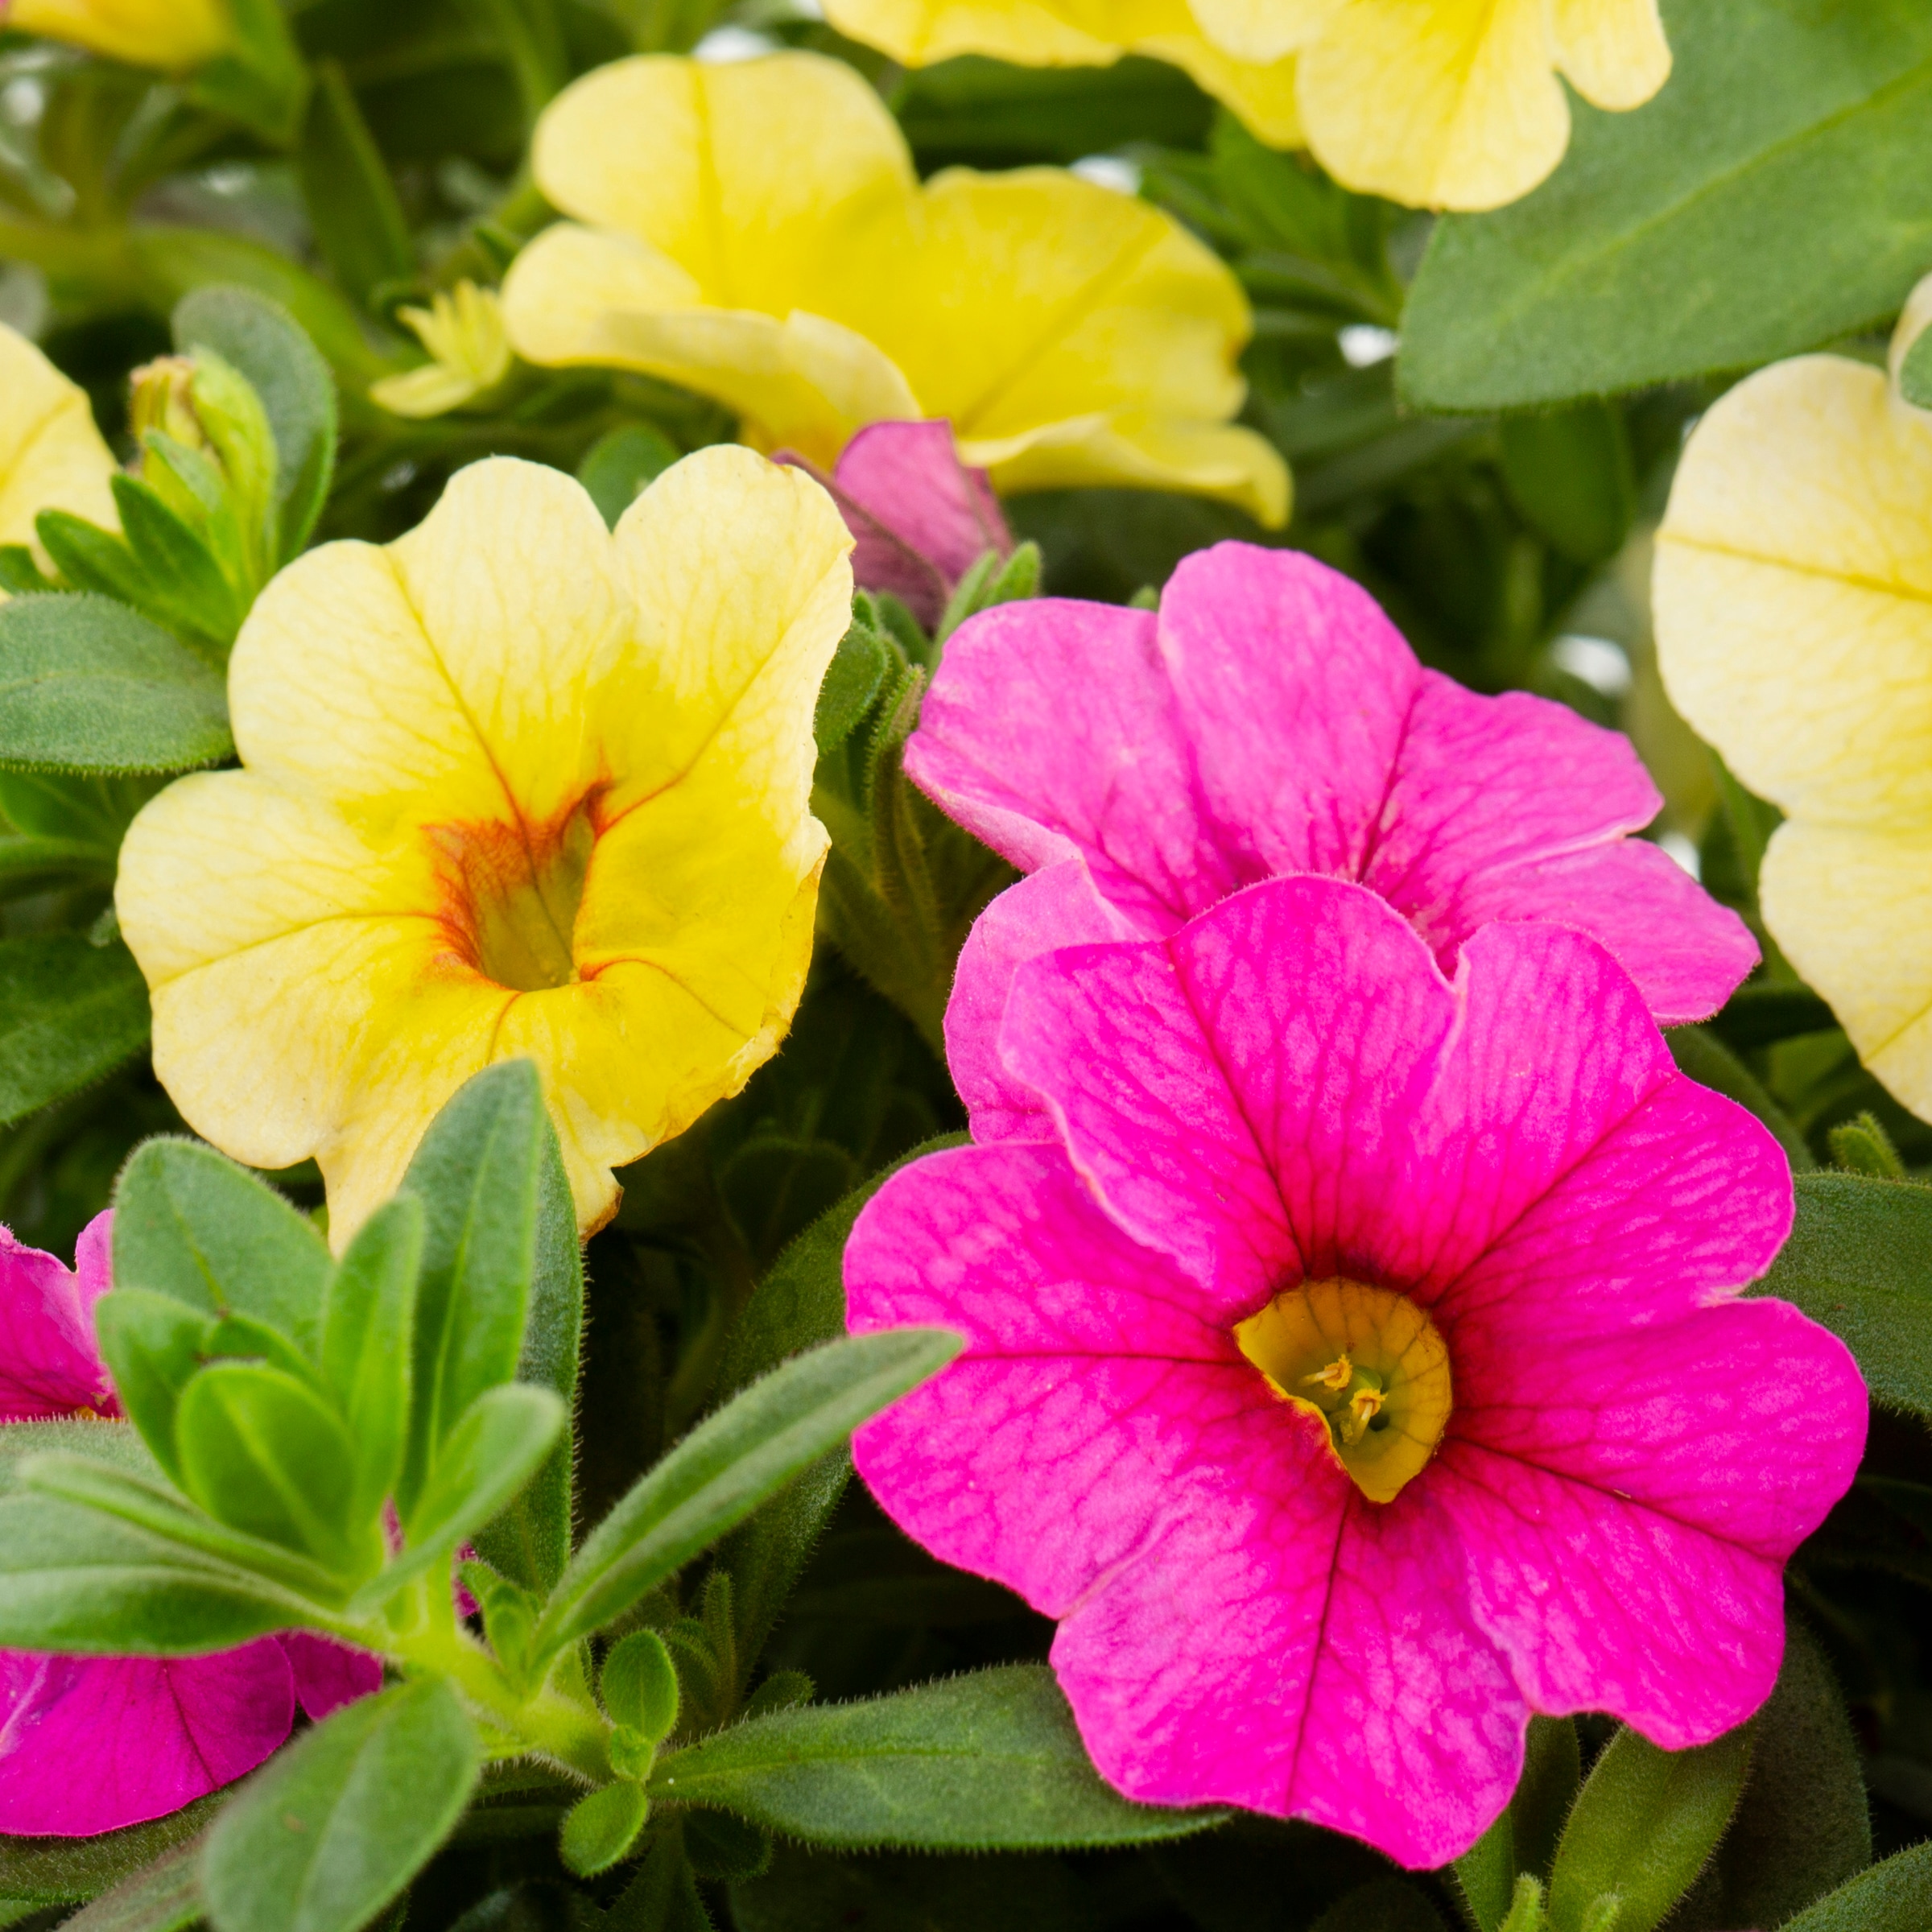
(1337, 1376)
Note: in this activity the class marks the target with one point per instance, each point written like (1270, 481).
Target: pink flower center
(1369, 1363)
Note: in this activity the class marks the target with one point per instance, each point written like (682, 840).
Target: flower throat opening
(1369, 1363)
(511, 895)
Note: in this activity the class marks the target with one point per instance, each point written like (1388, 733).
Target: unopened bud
(162, 399)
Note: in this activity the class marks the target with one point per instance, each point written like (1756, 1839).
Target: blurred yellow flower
(513, 785)
(169, 34)
(1438, 103)
(51, 456)
(756, 232)
(1794, 602)
(469, 354)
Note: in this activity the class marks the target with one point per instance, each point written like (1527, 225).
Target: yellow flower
(463, 331)
(1793, 601)
(51, 456)
(169, 34)
(513, 785)
(1437, 103)
(756, 232)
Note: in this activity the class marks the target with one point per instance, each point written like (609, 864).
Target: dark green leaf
(602, 1827)
(358, 222)
(1706, 1059)
(1860, 1260)
(56, 1870)
(191, 1225)
(852, 682)
(1552, 1771)
(368, 1339)
(1776, 195)
(259, 337)
(97, 561)
(729, 1465)
(987, 1761)
(153, 1345)
(1757, 1016)
(1387, 1905)
(725, 1849)
(71, 1012)
(1570, 474)
(331, 1830)
(1894, 1896)
(30, 865)
(620, 463)
(87, 684)
(165, 1896)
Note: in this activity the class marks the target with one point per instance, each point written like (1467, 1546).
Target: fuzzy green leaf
(71, 1012)
(56, 1870)
(1894, 1896)
(603, 1826)
(165, 1896)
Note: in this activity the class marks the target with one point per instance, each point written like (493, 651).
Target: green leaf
(260, 338)
(263, 1452)
(991, 1761)
(153, 1346)
(328, 1832)
(603, 1826)
(96, 561)
(31, 865)
(191, 1225)
(359, 224)
(1643, 1826)
(87, 684)
(114, 1444)
(1524, 1839)
(182, 583)
(1570, 474)
(71, 1012)
(1777, 194)
(57, 1870)
(259, 80)
(368, 1338)
(476, 1176)
(1389, 1905)
(1915, 372)
(729, 1465)
(1894, 1896)
(620, 463)
(1859, 1261)
(852, 679)
(1862, 1146)
(639, 1686)
(165, 1896)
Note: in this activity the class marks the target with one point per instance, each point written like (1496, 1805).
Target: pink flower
(1362, 1367)
(90, 1743)
(1271, 720)
(919, 518)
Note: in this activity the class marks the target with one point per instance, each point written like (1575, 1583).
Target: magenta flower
(90, 1744)
(1270, 721)
(1361, 1368)
(919, 518)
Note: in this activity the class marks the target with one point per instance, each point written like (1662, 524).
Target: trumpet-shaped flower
(1360, 1367)
(513, 785)
(1270, 720)
(1793, 600)
(469, 354)
(756, 232)
(168, 33)
(51, 456)
(90, 1743)
(1440, 103)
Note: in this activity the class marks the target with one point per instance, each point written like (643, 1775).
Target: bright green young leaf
(1643, 1826)
(99, 563)
(987, 1761)
(165, 1896)
(1860, 1260)
(258, 337)
(263, 1453)
(191, 1225)
(476, 1174)
(71, 1012)
(57, 1871)
(1777, 194)
(182, 583)
(359, 224)
(1894, 1896)
(639, 1686)
(153, 1346)
(603, 1826)
(368, 1339)
(87, 684)
(729, 1465)
(619, 464)
(325, 1835)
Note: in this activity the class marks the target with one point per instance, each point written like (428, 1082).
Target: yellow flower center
(511, 894)
(1369, 1363)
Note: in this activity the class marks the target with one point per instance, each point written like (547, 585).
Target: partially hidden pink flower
(90, 1743)
(919, 518)
(1361, 1366)
(1269, 720)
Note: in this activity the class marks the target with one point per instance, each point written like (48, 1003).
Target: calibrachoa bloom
(1793, 602)
(514, 785)
(1270, 720)
(919, 518)
(1360, 1368)
(756, 232)
(51, 456)
(170, 34)
(1438, 103)
(469, 354)
(90, 1743)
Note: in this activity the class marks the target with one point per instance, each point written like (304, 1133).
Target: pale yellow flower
(51, 456)
(463, 330)
(755, 233)
(167, 34)
(1449, 104)
(513, 785)
(1793, 600)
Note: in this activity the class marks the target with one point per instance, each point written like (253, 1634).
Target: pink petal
(329, 1674)
(49, 1365)
(89, 1745)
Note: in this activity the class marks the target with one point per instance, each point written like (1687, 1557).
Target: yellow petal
(434, 390)
(1263, 94)
(51, 456)
(1794, 592)
(731, 171)
(1452, 105)
(1614, 51)
(918, 32)
(170, 34)
(1261, 32)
